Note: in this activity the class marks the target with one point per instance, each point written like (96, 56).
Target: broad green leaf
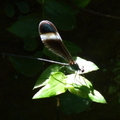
(60, 14)
(72, 104)
(23, 7)
(55, 86)
(81, 3)
(73, 48)
(25, 66)
(78, 85)
(44, 77)
(88, 66)
(81, 87)
(51, 55)
(58, 83)
(97, 97)
(30, 44)
(26, 27)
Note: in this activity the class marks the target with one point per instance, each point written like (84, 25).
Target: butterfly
(53, 41)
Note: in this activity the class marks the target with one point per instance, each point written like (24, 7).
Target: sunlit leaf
(84, 65)
(81, 87)
(55, 86)
(58, 83)
(78, 85)
(88, 66)
(43, 79)
(97, 97)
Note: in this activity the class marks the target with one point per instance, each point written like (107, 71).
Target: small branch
(100, 14)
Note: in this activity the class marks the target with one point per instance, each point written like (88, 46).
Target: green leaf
(40, 1)
(43, 1)
(54, 86)
(88, 66)
(58, 83)
(71, 104)
(97, 97)
(60, 14)
(51, 55)
(26, 27)
(9, 10)
(44, 77)
(23, 7)
(84, 65)
(81, 87)
(78, 85)
(81, 3)
(30, 44)
(25, 66)
(73, 48)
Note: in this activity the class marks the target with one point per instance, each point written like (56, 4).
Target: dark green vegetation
(97, 36)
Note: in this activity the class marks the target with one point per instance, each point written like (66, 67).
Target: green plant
(54, 80)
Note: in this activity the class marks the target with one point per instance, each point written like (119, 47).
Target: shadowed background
(96, 35)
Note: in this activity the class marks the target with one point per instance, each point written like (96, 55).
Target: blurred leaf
(81, 3)
(9, 10)
(26, 66)
(27, 26)
(40, 1)
(43, 1)
(30, 44)
(72, 48)
(23, 7)
(71, 104)
(60, 14)
(112, 89)
(53, 87)
(50, 54)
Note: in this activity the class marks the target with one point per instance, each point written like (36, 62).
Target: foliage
(57, 82)
(53, 80)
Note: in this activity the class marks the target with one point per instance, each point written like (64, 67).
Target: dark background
(98, 36)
